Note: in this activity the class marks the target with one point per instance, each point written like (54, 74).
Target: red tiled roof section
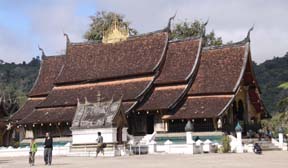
(50, 115)
(163, 97)
(127, 105)
(219, 71)
(180, 59)
(67, 95)
(202, 107)
(96, 61)
(27, 108)
(49, 70)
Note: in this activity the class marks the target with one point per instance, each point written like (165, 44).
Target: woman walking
(33, 150)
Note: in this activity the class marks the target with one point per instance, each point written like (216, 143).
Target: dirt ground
(273, 159)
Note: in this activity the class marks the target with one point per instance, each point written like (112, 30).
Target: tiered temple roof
(148, 72)
(49, 69)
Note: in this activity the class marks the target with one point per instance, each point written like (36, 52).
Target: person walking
(33, 150)
(48, 147)
(100, 144)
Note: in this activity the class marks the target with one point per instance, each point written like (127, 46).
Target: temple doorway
(150, 124)
(119, 135)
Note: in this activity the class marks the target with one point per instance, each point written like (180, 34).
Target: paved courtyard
(267, 160)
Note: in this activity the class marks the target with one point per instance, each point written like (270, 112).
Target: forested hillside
(17, 79)
(270, 75)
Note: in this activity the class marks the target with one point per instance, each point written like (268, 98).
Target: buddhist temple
(162, 84)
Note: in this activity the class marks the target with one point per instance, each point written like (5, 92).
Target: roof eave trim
(228, 104)
(37, 79)
(246, 54)
(191, 77)
(195, 66)
(163, 55)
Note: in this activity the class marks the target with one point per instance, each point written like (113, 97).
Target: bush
(226, 144)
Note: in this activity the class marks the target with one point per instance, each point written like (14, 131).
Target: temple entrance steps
(89, 150)
(142, 140)
(265, 144)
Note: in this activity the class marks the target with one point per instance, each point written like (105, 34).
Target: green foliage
(17, 79)
(272, 76)
(187, 29)
(284, 85)
(277, 121)
(101, 21)
(226, 144)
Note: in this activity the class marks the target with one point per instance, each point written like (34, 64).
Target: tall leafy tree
(185, 29)
(101, 21)
(283, 103)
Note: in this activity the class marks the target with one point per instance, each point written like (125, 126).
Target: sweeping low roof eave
(221, 69)
(27, 108)
(68, 95)
(50, 115)
(49, 70)
(203, 107)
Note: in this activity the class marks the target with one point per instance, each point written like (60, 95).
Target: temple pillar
(247, 104)
(215, 124)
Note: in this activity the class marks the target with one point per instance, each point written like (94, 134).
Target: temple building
(162, 84)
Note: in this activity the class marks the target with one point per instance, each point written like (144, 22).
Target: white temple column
(239, 146)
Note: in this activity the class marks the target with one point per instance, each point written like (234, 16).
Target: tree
(280, 119)
(283, 103)
(187, 29)
(102, 21)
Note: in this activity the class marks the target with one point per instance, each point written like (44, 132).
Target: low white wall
(14, 152)
(88, 136)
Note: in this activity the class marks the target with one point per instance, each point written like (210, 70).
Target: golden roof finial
(115, 32)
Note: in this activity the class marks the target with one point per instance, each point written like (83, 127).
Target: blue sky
(26, 24)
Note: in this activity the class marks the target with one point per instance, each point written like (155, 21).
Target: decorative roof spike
(205, 24)
(248, 34)
(78, 101)
(121, 97)
(67, 38)
(42, 52)
(204, 28)
(86, 101)
(98, 96)
(168, 28)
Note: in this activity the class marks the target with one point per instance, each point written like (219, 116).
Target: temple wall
(249, 110)
(89, 136)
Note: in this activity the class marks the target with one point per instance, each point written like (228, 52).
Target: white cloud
(12, 47)
(230, 19)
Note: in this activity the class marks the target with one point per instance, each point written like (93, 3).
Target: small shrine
(102, 116)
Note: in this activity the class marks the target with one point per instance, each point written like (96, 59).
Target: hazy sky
(25, 24)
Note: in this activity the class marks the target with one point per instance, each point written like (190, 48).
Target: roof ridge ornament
(204, 28)
(67, 38)
(42, 52)
(115, 32)
(168, 28)
(248, 34)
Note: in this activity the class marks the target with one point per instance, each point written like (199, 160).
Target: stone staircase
(266, 145)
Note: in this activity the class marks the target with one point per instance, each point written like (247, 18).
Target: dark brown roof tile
(97, 61)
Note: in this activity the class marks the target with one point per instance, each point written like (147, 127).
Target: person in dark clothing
(48, 147)
(257, 149)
